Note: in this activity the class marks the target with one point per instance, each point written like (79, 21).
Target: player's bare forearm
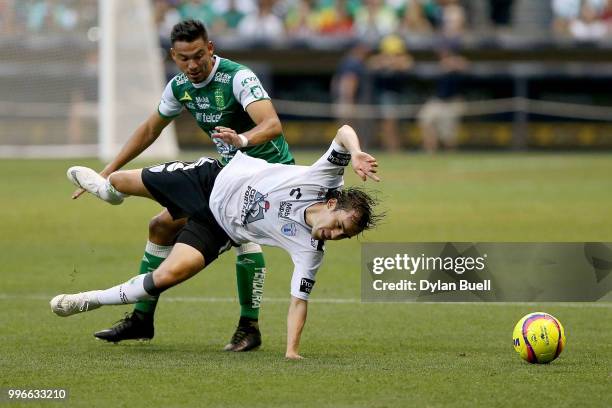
(347, 138)
(296, 318)
(267, 126)
(363, 163)
(140, 140)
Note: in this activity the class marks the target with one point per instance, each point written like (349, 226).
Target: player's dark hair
(354, 198)
(188, 31)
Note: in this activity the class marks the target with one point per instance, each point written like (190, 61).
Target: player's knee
(162, 230)
(118, 180)
(166, 277)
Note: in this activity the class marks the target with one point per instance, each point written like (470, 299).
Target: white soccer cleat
(92, 182)
(67, 305)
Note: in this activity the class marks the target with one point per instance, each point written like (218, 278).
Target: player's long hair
(355, 198)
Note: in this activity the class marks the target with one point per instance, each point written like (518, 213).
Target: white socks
(131, 291)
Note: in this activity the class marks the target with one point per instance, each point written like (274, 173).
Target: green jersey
(221, 100)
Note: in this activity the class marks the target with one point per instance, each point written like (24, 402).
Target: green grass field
(357, 354)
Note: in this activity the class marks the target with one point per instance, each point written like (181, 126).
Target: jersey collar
(211, 75)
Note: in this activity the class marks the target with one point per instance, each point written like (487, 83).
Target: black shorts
(184, 189)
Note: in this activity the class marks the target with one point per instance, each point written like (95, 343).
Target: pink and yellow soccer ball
(539, 338)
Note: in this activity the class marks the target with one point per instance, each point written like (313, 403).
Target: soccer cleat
(67, 305)
(246, 337)
(132, 327)
(92, 182)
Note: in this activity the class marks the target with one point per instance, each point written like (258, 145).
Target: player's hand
(291, 355)
(365, 166)
(228, 135)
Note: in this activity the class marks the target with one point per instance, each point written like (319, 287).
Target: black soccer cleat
(247, 337)
(134, 326)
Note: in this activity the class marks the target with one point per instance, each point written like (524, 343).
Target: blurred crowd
(290, 19)
(583, 19)
(274, 19)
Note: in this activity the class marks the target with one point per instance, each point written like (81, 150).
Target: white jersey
(256, 201)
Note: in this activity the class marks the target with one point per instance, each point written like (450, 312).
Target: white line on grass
(205, 299)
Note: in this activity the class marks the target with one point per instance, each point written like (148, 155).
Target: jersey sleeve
(306, 265)
(329, 169)
(247, 88)
(169, 106)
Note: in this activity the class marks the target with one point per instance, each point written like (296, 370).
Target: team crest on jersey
(257, 92)
(185, 97)
(254, 206)
(289, 229)
(219, 100)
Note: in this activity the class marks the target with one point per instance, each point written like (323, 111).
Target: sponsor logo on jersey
(208, 117)
(222, 77)
(257, 92)
(190, 105)
(181, 79)
(318, 245)
(202, 102)
(306, 285)
(339, 159)
(289, 229)
(284, 209)
(185, 97)
(247, 80)
(254, 206)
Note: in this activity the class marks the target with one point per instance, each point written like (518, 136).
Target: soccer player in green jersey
(232, 107)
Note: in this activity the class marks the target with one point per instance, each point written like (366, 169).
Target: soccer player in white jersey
(229, 104)
(296, 208)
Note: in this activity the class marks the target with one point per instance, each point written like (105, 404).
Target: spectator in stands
(440, 116)
(198, 10)
(589, 25)
(349, 87)
(263, 24)
(7, 17)
(375, 19)
(566, 11)
(606, 16)
(453, 19)
(414, 19)
(335, 19)
(301, 20)
(230, 14)
(500, 12)
(389, 68)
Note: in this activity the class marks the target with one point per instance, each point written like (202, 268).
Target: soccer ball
(539, 338)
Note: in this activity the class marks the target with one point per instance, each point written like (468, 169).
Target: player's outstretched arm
(296, 318)
(363, 163)
(140, 140)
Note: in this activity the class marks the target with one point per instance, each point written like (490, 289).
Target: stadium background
(533, 164)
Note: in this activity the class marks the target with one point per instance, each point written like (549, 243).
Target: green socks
(153, 257)
(250, 276)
